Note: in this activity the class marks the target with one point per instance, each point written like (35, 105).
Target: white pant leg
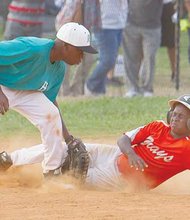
(103, 171)
(42, 113)
(28, 155)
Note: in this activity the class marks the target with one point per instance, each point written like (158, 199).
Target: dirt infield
(24, 195)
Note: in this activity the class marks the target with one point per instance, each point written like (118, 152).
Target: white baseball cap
(76, 35)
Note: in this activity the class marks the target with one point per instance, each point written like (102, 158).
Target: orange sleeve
(146, 131)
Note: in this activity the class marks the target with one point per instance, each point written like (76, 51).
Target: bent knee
(50, 118)
(52, 114)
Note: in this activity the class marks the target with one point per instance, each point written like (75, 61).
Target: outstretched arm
(124, 144)
(65, 132)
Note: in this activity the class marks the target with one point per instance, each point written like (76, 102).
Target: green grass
(110, 116)
(95, 117)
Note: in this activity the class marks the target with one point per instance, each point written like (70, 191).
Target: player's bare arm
(65, 132)
(124, 144)
(4, 103)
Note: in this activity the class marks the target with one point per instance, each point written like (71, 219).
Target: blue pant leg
(108, 42)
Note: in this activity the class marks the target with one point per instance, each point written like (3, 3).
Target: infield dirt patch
(24, 195)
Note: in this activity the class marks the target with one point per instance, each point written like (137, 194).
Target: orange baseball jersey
(166, 156)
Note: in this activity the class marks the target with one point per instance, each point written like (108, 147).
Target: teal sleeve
(14, 51)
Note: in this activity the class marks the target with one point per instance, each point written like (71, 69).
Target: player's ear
(66, 46)
(188, 123)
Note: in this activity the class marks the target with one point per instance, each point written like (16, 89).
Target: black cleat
(5, 161)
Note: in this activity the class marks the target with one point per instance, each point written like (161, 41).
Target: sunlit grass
(95, 117)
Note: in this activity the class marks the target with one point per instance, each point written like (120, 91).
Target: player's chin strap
(169, 115)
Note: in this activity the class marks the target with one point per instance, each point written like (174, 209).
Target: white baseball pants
(42, 113)
(103, 171)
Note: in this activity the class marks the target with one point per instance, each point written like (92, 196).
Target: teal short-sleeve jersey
(25, 65)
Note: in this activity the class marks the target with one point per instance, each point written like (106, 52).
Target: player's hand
(135, 161)
(4, 103)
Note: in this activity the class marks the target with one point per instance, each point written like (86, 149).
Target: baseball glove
(77, 160)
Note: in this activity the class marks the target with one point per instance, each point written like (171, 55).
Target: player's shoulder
(158, 125)
(35, 41)
(161, 123)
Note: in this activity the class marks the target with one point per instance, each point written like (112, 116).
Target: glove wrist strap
(69, 140)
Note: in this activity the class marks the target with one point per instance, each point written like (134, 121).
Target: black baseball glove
(77, 160)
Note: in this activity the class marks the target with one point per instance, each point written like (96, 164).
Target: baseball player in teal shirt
(31, 73)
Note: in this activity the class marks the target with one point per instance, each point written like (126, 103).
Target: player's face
(178, 122)
(74, 55)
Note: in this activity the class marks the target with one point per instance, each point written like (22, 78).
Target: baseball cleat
(5, 161)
